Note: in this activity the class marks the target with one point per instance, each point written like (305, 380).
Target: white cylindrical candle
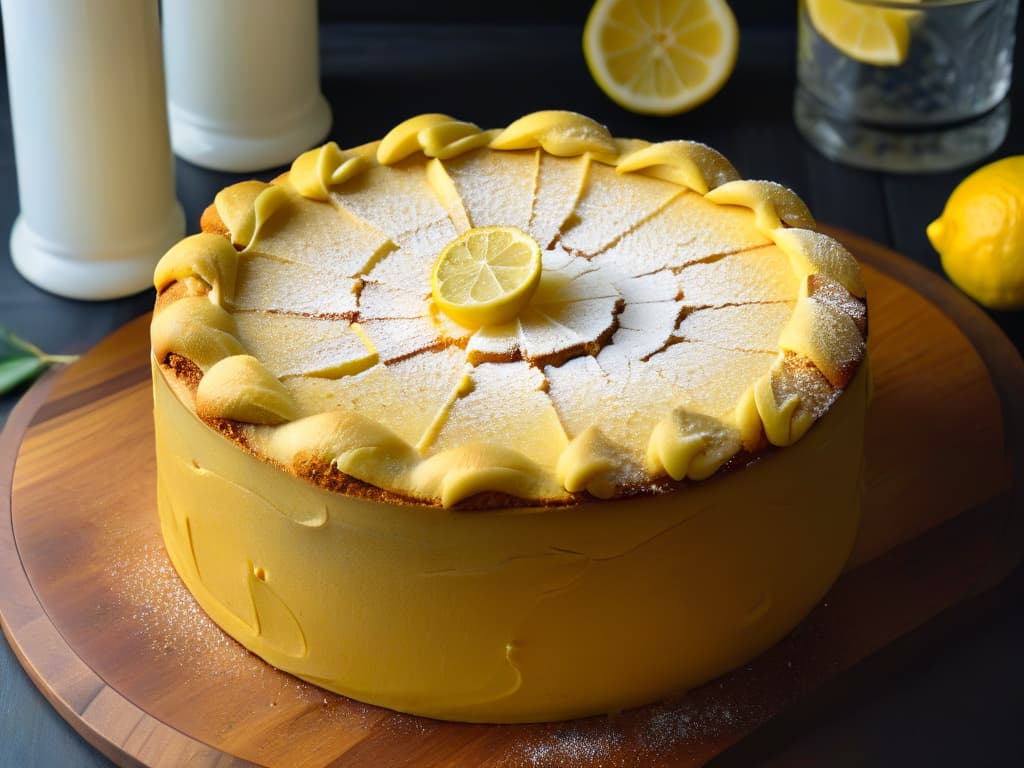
(243, 81)
(95, 170)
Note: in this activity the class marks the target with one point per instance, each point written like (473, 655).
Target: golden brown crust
(170, 294)
(211, 222)
(183, 369)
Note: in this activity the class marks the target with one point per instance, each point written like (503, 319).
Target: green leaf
(11, 345)
(17, 370)
(22, 361)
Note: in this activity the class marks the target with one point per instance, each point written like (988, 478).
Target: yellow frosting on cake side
(548, 614)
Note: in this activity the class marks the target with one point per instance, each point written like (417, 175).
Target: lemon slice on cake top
(486, 275)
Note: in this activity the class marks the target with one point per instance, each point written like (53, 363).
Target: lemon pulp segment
(660, 57)
(486, 275)
(877, 36)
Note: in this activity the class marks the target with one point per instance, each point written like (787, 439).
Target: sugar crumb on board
(162, 613)
(652, 736)
(151, 605)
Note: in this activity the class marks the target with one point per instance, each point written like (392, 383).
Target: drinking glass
(906, 86)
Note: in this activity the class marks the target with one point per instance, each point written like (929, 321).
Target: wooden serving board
(99, 619)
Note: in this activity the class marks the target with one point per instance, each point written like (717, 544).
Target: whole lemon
(980, 234)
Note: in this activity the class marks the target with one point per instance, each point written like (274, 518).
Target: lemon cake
(509, 425)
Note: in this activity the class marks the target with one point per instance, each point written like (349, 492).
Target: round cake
(639, 471)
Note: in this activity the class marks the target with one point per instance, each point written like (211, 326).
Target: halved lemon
(660, 57)
(870, 35)
(486, 275)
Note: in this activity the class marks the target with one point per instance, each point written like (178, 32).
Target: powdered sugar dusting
(160, 612)
(156, 617)
(496, 187)
(758, 275)
(667, 734)
(575, 743)
(687, 230)
(268, 284)
(527, 422)
(396, 199)
(320, 236)
(753, 327)
(559, 185)
(711, 378)
(664, 727)
(329, 348)
(612, 205)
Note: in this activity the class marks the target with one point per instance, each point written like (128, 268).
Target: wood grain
(107, 632)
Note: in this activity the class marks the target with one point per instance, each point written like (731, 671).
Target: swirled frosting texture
(685, 318)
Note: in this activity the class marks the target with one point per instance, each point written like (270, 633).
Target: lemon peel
(980, 234)
(486, 275)
(660, 58)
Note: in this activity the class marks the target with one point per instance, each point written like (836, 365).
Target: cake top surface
(680, 319)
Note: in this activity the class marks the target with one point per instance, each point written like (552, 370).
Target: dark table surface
(951, 694)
